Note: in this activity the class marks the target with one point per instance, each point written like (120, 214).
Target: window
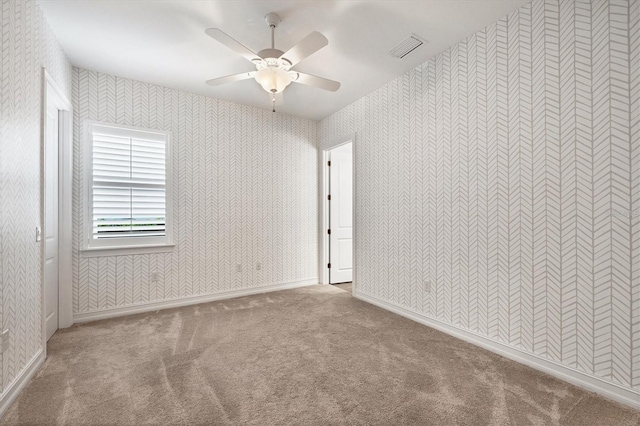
(128, 199)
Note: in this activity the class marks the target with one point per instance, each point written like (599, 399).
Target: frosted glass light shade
(272, 79)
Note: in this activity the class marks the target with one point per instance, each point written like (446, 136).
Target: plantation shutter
(128, 183)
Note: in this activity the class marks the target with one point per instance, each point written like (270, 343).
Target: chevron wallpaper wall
(505, 173)
(26, 44)
(245, 184)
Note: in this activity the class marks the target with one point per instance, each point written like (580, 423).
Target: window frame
(124, 245)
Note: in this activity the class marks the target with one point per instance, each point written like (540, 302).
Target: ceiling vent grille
(406, 46)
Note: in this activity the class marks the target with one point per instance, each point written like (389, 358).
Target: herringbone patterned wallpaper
(505, 172)
(245, 184)
(26, 44)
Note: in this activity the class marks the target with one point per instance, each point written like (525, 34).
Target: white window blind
(128, 186)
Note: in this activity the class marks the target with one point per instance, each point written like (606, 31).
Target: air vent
(406, 46)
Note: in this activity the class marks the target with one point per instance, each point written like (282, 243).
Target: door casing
(50, 219)
(65, 185)
(324, 209)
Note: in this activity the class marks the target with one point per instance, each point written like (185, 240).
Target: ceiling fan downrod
(272, 20)
(273, 36)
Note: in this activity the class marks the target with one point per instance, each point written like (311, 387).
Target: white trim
(324, 218)
(191, 300)
(124, 243)
(354, 204)
(584, 380)
(65, 200)
(324, 208)
(126, 250)
(354, 207)
(21, 380)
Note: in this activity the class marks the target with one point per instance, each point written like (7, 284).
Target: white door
(341, 214)
(51, 282)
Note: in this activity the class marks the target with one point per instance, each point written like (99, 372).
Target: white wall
(506, 173)
(26, 45)
(245, 191)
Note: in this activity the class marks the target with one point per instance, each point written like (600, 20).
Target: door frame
(65, 199)
(324, 208)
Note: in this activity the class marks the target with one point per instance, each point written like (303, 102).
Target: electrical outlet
(4, 340)
(427, 286)
(155, 277)
(258, 266)
(238, 268)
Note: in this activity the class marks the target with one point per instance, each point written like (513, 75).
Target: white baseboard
(13, 390)
(587, 381)
(186, 301)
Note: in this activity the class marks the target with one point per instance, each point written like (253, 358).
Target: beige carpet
(310, 356)
(344, 286)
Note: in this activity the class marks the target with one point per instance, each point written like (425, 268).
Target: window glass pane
(148, 212)
(111, 211)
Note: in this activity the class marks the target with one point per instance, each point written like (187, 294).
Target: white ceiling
(163, 42)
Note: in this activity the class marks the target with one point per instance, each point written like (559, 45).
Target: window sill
(126, 250)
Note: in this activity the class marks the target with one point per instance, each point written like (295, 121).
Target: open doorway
(339, 214)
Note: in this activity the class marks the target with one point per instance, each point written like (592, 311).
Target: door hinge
(329, 163)
(329, 197)
(329, 231)
(329, 266)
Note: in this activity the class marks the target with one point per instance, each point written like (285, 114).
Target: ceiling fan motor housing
(271, 54)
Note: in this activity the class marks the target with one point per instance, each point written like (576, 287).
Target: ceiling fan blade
(319, 82)
(306, 47)
(231, 43)
(229, 78)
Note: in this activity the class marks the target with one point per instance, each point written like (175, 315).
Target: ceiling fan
(273, 66)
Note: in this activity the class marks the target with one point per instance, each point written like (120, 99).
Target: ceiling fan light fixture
(273, 80)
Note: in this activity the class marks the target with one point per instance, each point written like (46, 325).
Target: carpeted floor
(307, 356)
